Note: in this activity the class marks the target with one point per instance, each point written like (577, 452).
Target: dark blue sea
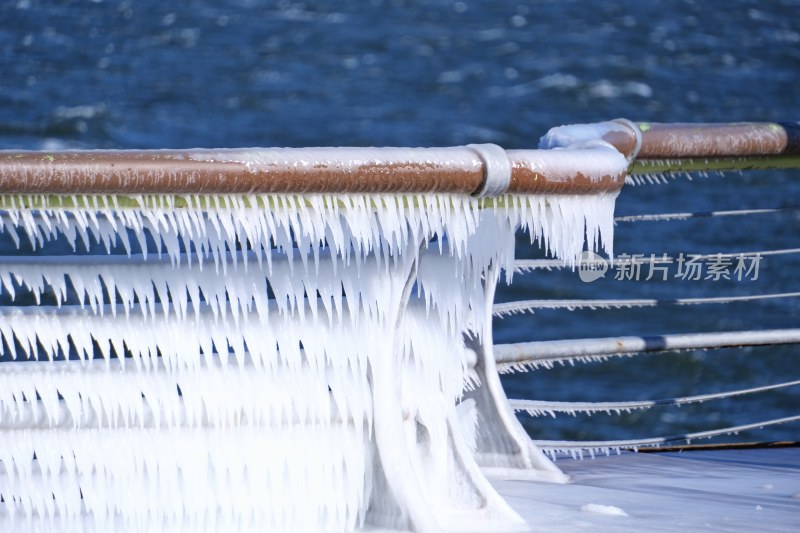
(152, 74)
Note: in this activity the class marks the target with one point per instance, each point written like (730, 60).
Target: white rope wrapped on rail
(497, 169)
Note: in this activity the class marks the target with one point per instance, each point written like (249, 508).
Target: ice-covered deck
(701, 490)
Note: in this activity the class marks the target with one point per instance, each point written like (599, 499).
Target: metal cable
(527, 265)
(539, 407)
(701, 214)
(541, 351)
(565, 445)
(511, 308)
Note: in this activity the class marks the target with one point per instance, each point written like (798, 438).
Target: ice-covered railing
(271, 338)
(283, 339)
(704, 148)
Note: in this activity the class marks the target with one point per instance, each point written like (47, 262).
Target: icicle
(210, 387)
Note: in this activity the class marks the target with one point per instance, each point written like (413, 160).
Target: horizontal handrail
(653, 148)
(591, 158)
(461, 169)
(682, 141)
(652, 140)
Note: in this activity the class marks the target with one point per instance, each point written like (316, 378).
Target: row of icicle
(208, 365)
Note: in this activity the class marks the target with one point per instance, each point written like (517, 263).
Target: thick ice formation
(243, 364)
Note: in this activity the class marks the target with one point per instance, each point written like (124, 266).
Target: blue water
(150, 74)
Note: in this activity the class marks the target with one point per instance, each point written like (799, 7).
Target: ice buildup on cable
(218, 374)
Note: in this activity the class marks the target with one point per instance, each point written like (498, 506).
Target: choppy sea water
(149, 74)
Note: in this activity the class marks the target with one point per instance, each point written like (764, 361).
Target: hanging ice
(272, 362)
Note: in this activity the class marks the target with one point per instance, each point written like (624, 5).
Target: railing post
(503, 445)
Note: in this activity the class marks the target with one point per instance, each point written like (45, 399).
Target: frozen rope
(555, 446)
(527, 265)
(538, 407)
(702, 214)
(546, 352)
(512, 308)
(729, 255)
(637, 134)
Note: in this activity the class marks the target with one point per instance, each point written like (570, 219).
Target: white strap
(497, 173)
(637, 133)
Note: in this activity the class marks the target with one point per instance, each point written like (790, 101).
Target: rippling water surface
(150, 74)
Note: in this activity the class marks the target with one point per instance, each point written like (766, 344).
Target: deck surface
(708, 490)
